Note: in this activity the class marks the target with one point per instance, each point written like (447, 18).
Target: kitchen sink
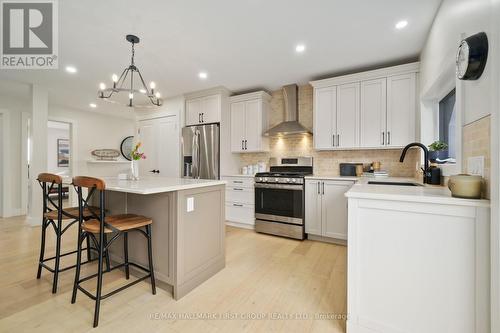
(394, 183)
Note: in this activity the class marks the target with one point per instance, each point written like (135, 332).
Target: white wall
(54, 134)
(455, 18)
(12, 184)
(92, 130)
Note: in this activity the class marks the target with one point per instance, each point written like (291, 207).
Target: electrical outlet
(190, 204)
(475, 165)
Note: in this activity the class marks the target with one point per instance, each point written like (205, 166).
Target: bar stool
(54, 214)
(117, 225)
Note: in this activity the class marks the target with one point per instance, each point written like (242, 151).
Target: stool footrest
(117, 290)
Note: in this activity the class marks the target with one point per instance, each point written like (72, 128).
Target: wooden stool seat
(73, 211)
(121, 222)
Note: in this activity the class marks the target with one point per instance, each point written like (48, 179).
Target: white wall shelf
(108, 162)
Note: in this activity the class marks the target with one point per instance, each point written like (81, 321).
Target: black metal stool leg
(78, 264)
(99, 280)
(88, 248)
(150, 258)
(58, 255)
(125, 254)
(42, 248)
(108, 265)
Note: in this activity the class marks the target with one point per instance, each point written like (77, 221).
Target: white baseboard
(240, 225)
(34, 221)
(327, 239)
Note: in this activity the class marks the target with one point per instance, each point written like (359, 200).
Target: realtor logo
(29, 34)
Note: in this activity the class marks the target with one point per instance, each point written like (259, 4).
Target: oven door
(279, 202)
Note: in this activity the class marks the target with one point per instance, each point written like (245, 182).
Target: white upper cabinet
(347, 115)
(401, 106)
(203, 110)
(375, 109)
(249, 121)
(325, 117)
(373, 113)
(238, 122)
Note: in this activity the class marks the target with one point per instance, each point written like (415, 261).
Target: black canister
(435, 176)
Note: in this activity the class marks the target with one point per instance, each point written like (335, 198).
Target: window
(447, 123)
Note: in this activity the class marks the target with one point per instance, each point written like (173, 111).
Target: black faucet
(426, 158)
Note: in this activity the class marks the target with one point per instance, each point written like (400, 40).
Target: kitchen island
(188, 227)
(418, 260)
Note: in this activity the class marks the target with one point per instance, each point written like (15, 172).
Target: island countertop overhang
(157, 184)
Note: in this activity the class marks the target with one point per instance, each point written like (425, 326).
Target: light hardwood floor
(265, 276)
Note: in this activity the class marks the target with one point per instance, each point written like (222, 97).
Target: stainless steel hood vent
(291, 125)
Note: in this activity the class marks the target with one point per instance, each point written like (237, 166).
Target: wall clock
(126, 147)
(471, 57)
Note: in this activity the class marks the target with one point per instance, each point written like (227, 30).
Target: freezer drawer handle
(237, 205)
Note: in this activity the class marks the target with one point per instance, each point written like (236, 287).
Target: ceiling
(242, 45)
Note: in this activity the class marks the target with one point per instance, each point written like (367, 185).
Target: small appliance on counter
(465, 186)
(434, 175)
(349, 169)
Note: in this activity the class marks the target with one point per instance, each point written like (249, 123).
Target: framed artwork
(62, 152)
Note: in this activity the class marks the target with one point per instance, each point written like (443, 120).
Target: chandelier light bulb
(158, 95)
(130, 95)
(152, 85)
(114, 78)
(142, 91)
(102, 86)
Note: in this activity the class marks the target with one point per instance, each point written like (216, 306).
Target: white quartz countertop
(426, 193)
(157, 184)
(333, 177)
(239, 176)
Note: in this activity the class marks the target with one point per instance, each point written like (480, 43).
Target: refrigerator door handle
(196, 155)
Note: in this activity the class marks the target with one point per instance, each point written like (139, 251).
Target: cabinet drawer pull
(238, 181)
(237, 205)
(237, 189)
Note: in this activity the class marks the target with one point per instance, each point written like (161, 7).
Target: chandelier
(125, 83)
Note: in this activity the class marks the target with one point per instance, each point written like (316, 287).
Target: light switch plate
(475, 165)
(190, 204)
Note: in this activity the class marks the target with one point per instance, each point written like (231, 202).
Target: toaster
(348, 169)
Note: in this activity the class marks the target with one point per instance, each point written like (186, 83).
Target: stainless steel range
(279, 197)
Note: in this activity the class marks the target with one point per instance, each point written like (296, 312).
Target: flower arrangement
(135, 154)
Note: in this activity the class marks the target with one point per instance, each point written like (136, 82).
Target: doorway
(59, 156)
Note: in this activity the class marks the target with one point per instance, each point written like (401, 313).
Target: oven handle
(279, 186)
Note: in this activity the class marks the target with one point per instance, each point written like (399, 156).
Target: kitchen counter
(240, 176)
(156, 184)
(417, 246)
(333, 177)
(188, 231)
(426, 194)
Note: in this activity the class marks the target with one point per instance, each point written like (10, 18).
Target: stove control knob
(294, 180)
(276, 180)
(260, 179)
(288, 180)
(265, 179)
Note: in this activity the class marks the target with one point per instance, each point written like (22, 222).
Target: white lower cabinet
(326, 208)
(240, 201)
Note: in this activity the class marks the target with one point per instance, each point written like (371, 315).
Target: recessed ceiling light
(71, 69)
(93, 105)
(203, 75)
(401, 24)
(300, 48)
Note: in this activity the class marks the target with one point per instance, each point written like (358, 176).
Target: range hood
(291, 125)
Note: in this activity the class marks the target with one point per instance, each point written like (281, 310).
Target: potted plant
(136, 157)
(438, 150)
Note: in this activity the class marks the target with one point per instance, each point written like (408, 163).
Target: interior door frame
(73, 139)
(6, 209)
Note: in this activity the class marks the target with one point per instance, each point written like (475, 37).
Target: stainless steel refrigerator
(200, 151)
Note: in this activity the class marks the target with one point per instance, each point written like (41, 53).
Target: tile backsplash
(325, 162)
(476, 142)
